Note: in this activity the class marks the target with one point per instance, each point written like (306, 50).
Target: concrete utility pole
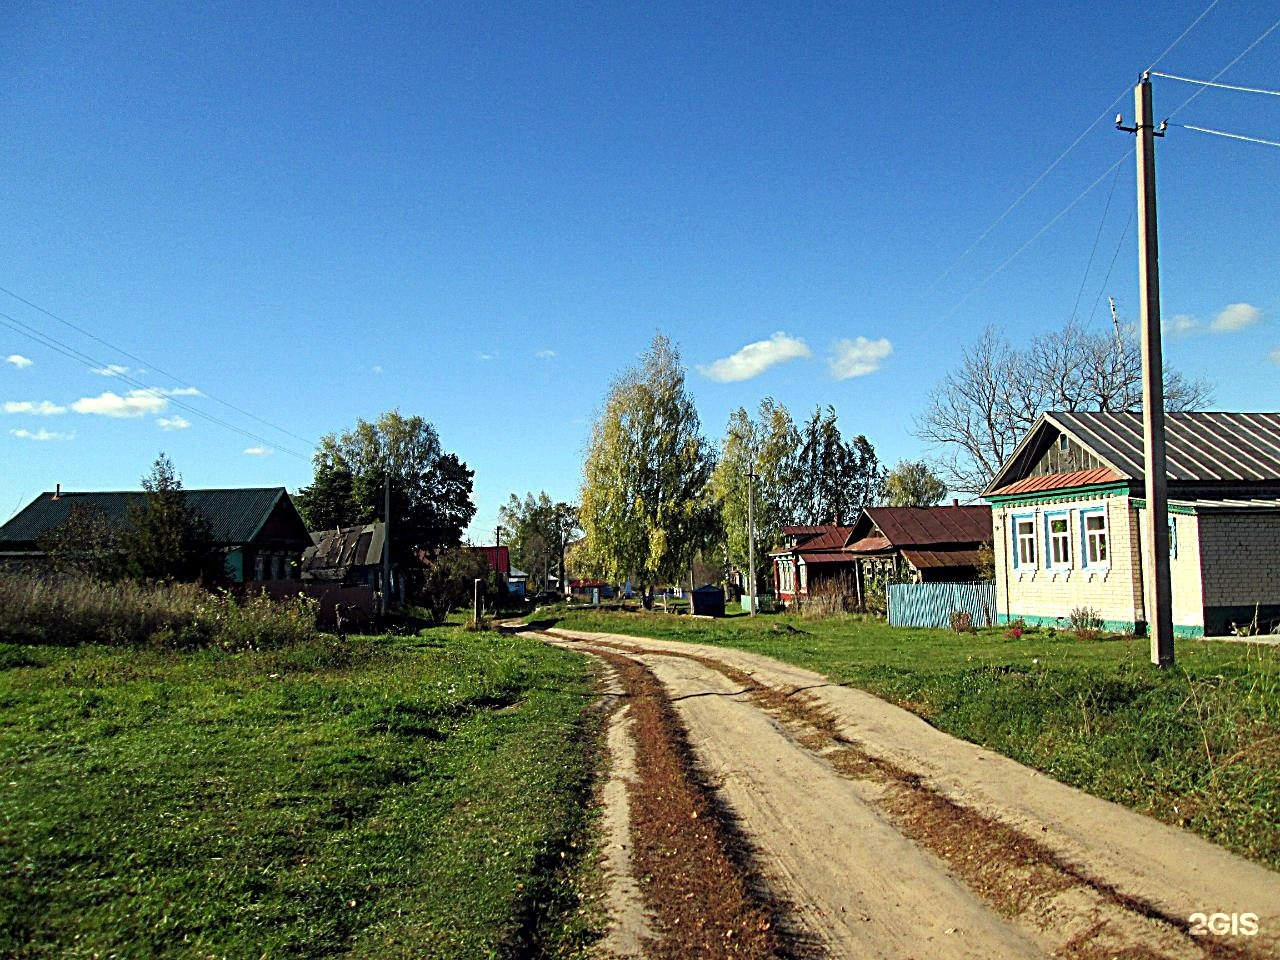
(1157, 591)
(751, 535)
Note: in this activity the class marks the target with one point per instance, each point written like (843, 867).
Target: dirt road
(860, 831)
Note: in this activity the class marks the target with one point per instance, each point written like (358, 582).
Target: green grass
(416, 797)
(1197, 746)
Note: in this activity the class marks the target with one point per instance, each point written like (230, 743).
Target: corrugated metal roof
(344, 548)
(1231, 505)
(1201, 447)
(920, 526)
(827, 556)
(933, 559)
(1059, 481)
(832, 538)
(236, 515)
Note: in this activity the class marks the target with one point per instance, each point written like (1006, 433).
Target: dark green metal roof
(236, 515)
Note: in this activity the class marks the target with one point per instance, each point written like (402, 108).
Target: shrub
(1086, 624)
(962, 621)
(1016, 628)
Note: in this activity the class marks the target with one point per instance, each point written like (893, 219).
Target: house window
(1096, 553)
(1025, 537)
(1058, 548)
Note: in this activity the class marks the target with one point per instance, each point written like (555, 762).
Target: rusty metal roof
(344, 548)
(1059, 481)
(832, 538)
(925, 526)
(827, 556)
(934, 559)
(870, 545)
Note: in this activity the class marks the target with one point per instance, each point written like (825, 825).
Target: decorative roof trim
(1065, 494)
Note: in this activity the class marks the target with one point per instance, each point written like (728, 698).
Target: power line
(151, 366)
(1220, 86)
(1224, 133)
(1124, 235)
(1240, 56)
(92, 363)
(1096, 237)
(1105, 115)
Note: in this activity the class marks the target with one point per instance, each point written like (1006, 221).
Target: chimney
(955, 501)
(57, 491)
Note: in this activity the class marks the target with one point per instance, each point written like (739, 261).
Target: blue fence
(931, 604)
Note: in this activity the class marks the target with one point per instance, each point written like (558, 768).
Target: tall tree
(430, 489)
(85, 544)
(982, 409)
(539, 531)
(838, 477)
(166, 538)
(913, 484)
(768, 447)
(645, 508)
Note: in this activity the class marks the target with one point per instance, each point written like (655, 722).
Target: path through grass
(1197, 746)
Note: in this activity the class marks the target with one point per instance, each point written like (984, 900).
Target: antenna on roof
(1115, 320)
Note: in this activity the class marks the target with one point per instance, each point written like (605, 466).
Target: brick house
(1067, 511)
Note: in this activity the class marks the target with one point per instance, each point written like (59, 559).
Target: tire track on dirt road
(887, 852)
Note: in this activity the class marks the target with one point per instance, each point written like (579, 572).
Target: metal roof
(1201, 447)
(933, 559)
(1059, 481)
(235, 515)
(925, 526)
(826, 556)
(870, 545)
(346, 547)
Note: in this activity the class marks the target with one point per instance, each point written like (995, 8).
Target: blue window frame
(1057, 540)
(1095, 546)
(1024, 549)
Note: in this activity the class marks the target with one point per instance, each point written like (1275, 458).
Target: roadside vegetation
(416, 796)
(1197, 746)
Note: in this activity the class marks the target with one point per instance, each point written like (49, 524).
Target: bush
(962, 621)
(1086, 624)
(72, 611)
(1016, 628)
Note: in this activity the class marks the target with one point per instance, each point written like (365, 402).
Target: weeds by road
(1198, 746)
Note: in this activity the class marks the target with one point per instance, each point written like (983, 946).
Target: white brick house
(1066, 511)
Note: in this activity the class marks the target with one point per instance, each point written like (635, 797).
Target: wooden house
(1067, 510)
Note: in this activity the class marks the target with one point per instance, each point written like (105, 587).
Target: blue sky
(481, 213)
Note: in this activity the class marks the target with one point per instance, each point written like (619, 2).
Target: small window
(1095, 540)
(1062, 442)
(1173, 539)
(1026, 533)
(1059, 542)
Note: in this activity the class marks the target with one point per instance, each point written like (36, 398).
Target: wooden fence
(931, 604)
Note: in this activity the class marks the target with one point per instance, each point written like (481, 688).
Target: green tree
(913, 484)
(838, 477)
(767, 446)
(448, 580)
(539, 531)
(166, 538)
(430, 489)
(645, 504)
(85, 544)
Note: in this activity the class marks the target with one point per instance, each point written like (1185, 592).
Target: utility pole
(386, 545)
(751, 534)
(1157, 591)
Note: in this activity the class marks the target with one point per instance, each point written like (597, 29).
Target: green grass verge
(416, 797)
(1197, 746)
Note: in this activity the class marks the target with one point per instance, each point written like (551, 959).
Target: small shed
(707, 601)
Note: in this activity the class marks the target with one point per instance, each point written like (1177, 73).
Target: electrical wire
(1224, 133)
(1114, 257)
(1220, 86)
(1105, 115)
(93, 363)
(151, 366)
(1240, 56)
(1096, 237)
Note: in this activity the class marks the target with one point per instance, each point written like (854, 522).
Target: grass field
(1198, 745)
(415, 797)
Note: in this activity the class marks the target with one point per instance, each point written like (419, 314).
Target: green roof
(236, 515)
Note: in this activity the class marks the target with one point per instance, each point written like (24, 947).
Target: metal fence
(931, 604)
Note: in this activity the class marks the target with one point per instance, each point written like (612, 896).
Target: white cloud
(545, 354)
(1275, 356)
(1181, 325)
(859, 357)
(18, 360)
(179, 392)
(486, 357)
(41, 435)
(377, 368)
(136, 403)
(42, 408)
(755, 358)
(110, 370)
(257, 451)
(1235, 317)
(173, 423)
